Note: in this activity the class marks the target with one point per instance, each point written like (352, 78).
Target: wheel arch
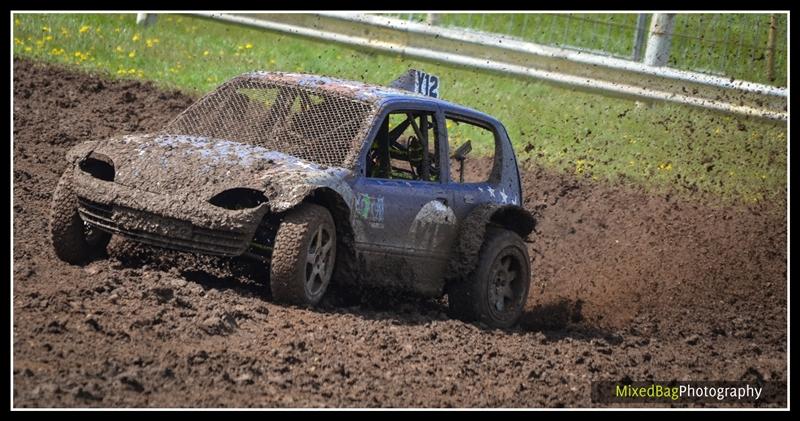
(514, 218)
(335, 204)
(473, 231)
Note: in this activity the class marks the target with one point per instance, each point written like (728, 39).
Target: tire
(73, 240)
(299, 273)
(480, 297)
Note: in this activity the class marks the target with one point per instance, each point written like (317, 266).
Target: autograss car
(320, 179)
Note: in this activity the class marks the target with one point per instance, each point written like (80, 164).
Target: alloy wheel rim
(505, 286)
(319, 261)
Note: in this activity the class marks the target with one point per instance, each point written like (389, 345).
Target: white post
(145, 19)
(433, 18)
(658, 43)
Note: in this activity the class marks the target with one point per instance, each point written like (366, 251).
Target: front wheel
(303, 256)
(73, 240)
(496, 291)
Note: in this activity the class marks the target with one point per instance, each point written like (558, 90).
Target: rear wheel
(304, 256)
(73, 240)
(496, 291)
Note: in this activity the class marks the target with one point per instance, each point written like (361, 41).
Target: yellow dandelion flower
(45, 29)
(205, 53)
(132, 54)
(81, 56)
(48, 38)
(579, 166)
(272, 61)
(248, 46)
(84, 29)
(136, 37)
(17, 22)
(119, 49)
(18, 41)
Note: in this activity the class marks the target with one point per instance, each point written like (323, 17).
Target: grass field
(589, 135)
(727, 44)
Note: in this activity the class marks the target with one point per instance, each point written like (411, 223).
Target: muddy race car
(320, 179)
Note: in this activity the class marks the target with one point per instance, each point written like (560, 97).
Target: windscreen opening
(314, 124)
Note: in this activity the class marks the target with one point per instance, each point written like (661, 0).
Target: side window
(472, 150)
(405, 148)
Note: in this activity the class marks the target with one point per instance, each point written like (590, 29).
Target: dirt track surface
(626, 286)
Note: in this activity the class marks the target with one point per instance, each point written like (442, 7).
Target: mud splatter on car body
(263, 143)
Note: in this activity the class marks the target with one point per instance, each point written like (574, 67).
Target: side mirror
(461, 153)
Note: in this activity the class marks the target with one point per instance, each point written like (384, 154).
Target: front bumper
(178, 222)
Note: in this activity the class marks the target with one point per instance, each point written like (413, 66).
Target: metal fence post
(145, 19)
(658, 43)
(433, 18)
(639, 36)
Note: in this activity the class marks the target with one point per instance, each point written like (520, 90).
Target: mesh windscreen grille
(314, 124)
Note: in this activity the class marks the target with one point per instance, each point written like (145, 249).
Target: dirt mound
(618, 252)
(627, 285)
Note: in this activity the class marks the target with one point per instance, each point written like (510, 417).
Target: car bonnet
(177, 165)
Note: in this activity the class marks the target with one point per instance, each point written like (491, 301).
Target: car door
(474, 179)
(404, 224)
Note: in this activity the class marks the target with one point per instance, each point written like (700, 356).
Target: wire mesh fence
(735, 45)
(274, 111)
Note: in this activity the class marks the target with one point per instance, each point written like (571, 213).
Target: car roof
(375, 94)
